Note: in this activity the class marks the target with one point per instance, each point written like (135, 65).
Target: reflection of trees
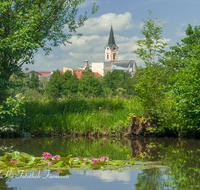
(115, 149)
(151, 179)
(182, 159)
(139, 146)
(3, 185)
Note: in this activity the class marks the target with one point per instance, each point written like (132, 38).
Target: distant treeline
(116, 83)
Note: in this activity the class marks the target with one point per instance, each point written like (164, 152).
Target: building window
(114, 56)
(107, 56)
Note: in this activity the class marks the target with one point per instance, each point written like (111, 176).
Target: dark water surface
(182, 158)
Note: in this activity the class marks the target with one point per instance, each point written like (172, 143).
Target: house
(78, 71)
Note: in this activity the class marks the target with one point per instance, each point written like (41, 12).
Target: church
(110, 63)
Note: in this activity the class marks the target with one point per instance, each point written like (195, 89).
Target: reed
(80, 115)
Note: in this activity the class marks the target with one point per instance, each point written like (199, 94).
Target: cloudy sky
(127, 18)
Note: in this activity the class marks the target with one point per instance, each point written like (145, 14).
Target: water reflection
(181, 156)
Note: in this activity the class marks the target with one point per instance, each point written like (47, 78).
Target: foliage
(62, 85)
(185, 59)
(34, 81)
(179, 55)
(70, 84)
(89, 86)
(87, 71)
(29, 25)
(154, 80)
(21, 163)
(187, 93)
(63, 116)
(11, 112)
(21, 84)
(152, 47)
(55, 85)
(119, 82)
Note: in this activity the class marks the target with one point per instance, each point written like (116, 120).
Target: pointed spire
(111, 41)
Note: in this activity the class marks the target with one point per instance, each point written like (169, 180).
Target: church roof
(125, 63)
(111, 40)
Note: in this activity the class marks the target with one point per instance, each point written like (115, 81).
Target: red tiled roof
(79, 75)
(97, 75)
(42, 72)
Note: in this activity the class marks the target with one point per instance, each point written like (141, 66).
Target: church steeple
(111, 40)
(111, 50)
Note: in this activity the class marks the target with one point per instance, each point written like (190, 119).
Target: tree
(117, 79)
(70, 84)
(180, 53)
(89, 86)
(35, 81)
(21, 83)
(152, 47)
(54, 87)
(155, 79)
(87, 71)
(185, 58)
(27, 25)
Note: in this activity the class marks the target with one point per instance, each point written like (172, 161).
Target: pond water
(181, 159)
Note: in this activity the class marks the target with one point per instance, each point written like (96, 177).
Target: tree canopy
(27, 25)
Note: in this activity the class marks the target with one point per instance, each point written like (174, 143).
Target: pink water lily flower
(50, 163)
(44, 158)
(95, 160)
(57, 171)
(104, 158)
(56, 157)
(47, 155)
(13, 160)
(76, 159)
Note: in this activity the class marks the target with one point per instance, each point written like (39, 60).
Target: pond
(179, 161)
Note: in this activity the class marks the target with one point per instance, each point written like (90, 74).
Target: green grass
(81, 115)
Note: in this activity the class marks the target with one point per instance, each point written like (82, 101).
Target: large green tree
(70, 84)
(155, 79)
(185, 58)
(90, 86)
(27, 25)
(179, 54)
(54, 87)
(118, 80)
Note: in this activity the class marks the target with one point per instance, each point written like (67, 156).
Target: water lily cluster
(59, 164)
(48, 155)
(95, 160)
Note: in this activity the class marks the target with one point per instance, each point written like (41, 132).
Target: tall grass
(81, 115)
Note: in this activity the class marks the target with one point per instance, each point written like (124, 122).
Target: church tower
(111, 50)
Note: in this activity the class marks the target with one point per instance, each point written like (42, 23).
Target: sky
(127, 21)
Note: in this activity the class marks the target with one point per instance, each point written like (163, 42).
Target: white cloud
(180, 30)
(102, 24)
(109, 176)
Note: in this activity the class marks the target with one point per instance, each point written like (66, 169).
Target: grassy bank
(81, 115)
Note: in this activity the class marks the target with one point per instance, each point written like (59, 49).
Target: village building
(111, 61)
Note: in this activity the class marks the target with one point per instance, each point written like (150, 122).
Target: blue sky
(127, 18)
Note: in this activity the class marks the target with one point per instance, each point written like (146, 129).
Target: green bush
(11, 112)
